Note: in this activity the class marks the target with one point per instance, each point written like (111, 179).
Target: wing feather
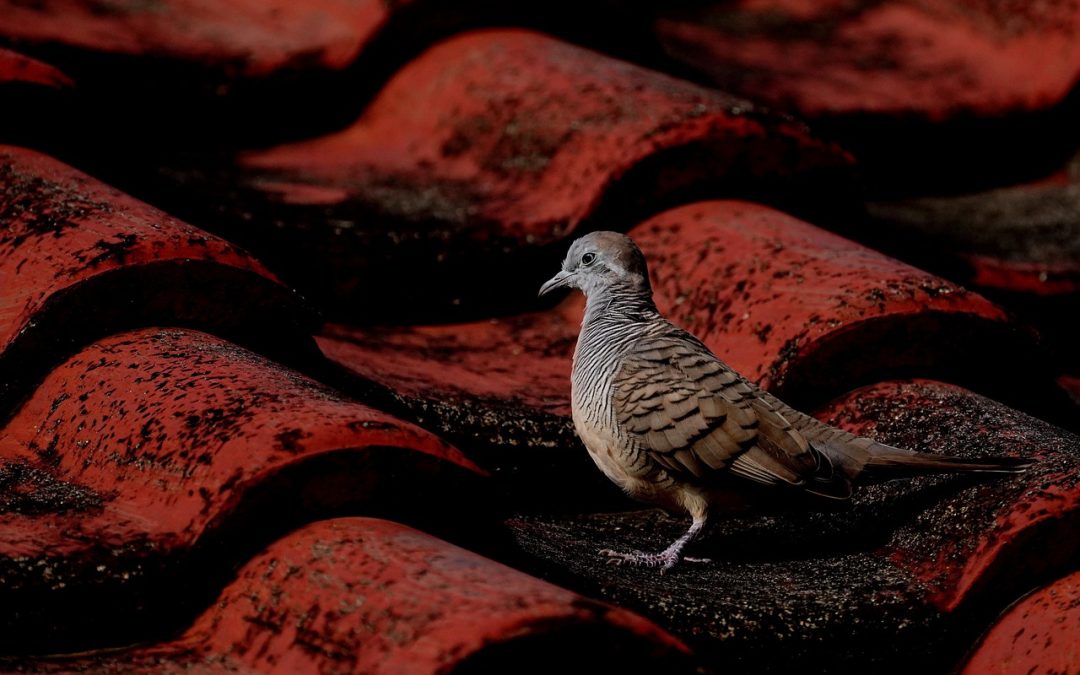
(697, 418)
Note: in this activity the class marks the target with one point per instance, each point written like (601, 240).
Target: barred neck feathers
(620, 304)
(613, 322)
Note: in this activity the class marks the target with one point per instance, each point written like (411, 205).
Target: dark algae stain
(30, 491)
(117, 249)
(32, 206)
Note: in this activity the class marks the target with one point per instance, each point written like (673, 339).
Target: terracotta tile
(19, 68)
(1036, 635)
(930, 60)
(147, 463)
(936, 94)
(990, 539)
(157, 77)
(35, 92)
(359, 595)
(1018, 239)
(1019, 244)
(477, 156)
(249, 37)
(79, 259)
(147, 468)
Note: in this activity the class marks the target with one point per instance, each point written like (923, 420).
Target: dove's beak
(560, 280)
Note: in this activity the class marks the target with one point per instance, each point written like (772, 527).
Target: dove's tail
(888, 460)
(858, 456)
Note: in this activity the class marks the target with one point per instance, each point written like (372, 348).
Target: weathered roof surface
(367, 595)
(203, 469)
(1020, 242)
(79, 259)
(148, 456)
(934, 60)
(907, 577)
(1037, 635)
(16, 68)
(476, 159)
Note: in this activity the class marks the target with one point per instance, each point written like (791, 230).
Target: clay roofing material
(276, 395)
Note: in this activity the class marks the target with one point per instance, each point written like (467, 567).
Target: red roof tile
(483, 149)
(1039, 634)
(152, 454)
(17, 68)
(360, 595)
(142, 462)
(239, 39)
(79, 259)
(933, 60)
(1022, 239)
(987, 542)
(932, 98)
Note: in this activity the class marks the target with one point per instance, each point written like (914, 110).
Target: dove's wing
(697, 418)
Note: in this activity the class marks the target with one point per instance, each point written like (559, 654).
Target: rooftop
(276, 393)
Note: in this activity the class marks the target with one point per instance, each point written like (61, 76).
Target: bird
(671, 424)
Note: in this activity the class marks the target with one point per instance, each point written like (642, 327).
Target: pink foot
(665, 560)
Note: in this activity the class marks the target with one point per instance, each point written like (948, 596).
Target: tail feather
(885, 459)
(855, 455)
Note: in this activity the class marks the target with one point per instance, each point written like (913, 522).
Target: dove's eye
(588, 259)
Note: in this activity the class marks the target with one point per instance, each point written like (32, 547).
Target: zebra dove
(672, 424)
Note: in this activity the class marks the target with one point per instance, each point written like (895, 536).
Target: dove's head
(602, 261)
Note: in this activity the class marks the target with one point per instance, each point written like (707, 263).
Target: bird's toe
(664, 560)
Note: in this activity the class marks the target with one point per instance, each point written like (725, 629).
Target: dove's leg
(665, 559)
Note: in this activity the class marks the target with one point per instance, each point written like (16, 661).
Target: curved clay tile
(905, 579)
(960, 113)
(79, 259)
(35, 94)
(359, 595)
(1020, 243)
(146, 464)
(240, 38)
(988, 541)
(1022, 239)
(195, 44)
(929, 59)
(936, 94)
(476, 156)
(16, 68)
(170, 75)
(1038, 634)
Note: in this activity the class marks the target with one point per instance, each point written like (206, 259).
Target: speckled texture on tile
(1039, 635)
(477, 157)
(145, 464)
(944, 95)
(358, 595)
(79, 259)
